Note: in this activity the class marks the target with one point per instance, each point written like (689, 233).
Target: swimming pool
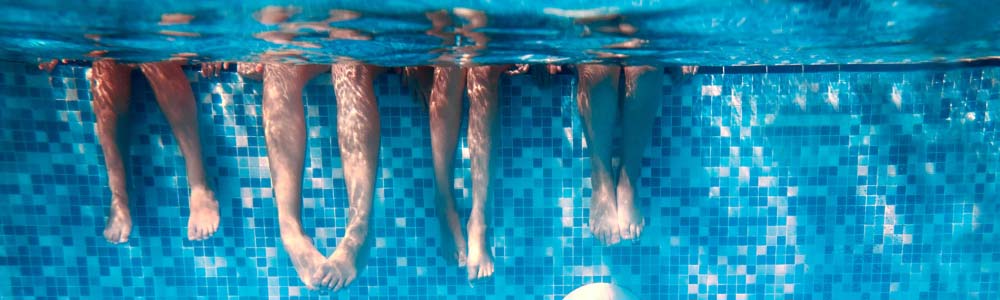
(794, 181)
(716, 32)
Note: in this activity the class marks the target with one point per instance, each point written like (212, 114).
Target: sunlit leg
(285, 133)
(597, 99)
(173, 93)
(358, 134)
(446, 118)
(483, 107)
(642, 92)
(111, 86)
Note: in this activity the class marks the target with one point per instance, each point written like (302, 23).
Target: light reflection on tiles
(757, 186)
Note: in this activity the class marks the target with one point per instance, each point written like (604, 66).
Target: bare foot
(480, 257)
(452, 247)
(119, 223)
(204, 218)
(305, 258)
(630, 220)
(337, 272)
(604, 216)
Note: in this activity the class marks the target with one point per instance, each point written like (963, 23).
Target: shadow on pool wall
(826, 185)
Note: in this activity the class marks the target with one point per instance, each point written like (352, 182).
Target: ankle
(476, 226)
(344, 252)
(200, 188)
(292, 239)
(290, 229)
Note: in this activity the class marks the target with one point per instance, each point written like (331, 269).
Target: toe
(198, 233)
(339, 285)
(613, 238)
(310, 284)
(327, 280)
(316, 277)
(473, 271)
(627, 233)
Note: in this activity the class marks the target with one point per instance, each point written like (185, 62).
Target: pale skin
(597, 100)
(642, 92)
(613, 213)
(445, 111)
(445, 107)
(358, 134)
(111, 88)
(285, 135)
(483, 108)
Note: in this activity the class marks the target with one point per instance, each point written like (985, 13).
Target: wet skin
(111, 87)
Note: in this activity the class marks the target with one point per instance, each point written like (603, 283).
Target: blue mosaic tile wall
(831, 185)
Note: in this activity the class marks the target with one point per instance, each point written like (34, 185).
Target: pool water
(768, 189)
(794, 165)
(689, 32)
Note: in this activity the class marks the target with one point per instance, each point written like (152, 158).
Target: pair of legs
(445, 115)
(358, 133)
(613, 211)
(111, 88)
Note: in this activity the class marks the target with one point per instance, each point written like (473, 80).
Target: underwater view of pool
(841, 149)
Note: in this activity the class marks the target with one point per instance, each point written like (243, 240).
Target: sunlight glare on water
(564, 31)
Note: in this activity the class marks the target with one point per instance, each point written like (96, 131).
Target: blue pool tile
(778, 182)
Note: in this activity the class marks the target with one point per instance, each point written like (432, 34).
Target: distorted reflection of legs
(642, 89)
(111, 86)
(483, 107)
(358, 132)
(284, 131)
(597, 100)
(176, 99)
(446, 116)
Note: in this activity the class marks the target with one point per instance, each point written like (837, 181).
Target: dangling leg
(173, 93)
(597, 99)
(446, 118)
(111, 86)
(285, 134)
(483, 107)
(642, 87)
(358, 134)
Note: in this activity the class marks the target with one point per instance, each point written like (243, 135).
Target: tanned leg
(111, 86)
